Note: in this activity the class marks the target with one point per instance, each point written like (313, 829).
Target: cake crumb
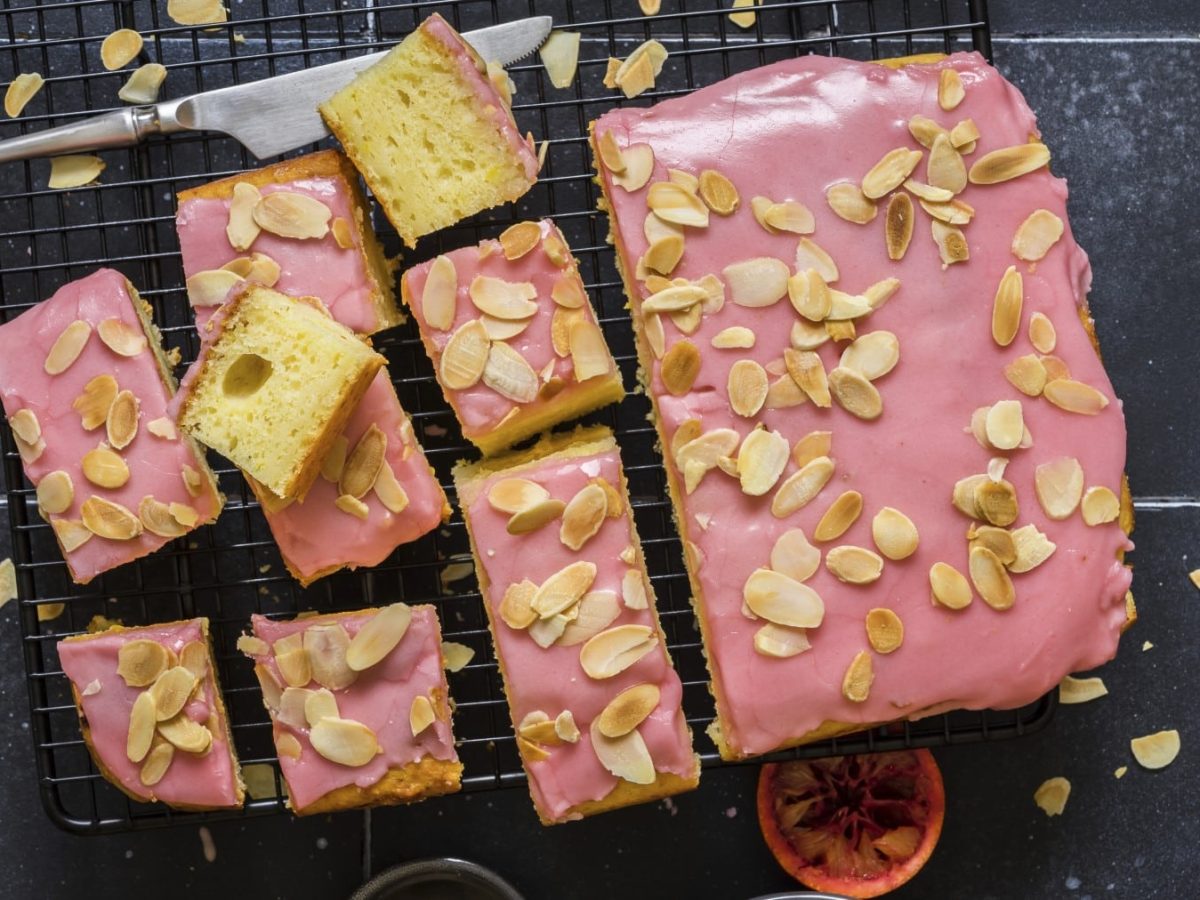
(206, 842)
(731, 812)
(264, 568)
(1120, 771)
(669, 805)
(48, 612)
(8, 582)
(456, 571)
(1146, 645)
(322, 843)
(1051, 796)
(433, 430)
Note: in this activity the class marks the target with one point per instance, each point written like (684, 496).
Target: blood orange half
(854, 825)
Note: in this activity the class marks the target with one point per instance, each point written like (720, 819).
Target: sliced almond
(873, 355)
(757, 282)
(1005, 424)
(1051, 795)
(93, 403)
(991, 579)
(162, 427)
(122, 421)
(583, 516)
(761, 460)
(613, 651)
(880, 292)
(885, 631)
(196, 12)
(964, 135)
(71, 534)
(109, 520)
(899, 225)
(951, 243)
(141, 661)
(67, 347)
(389, 490)
(157, 761)
(674, 298)
(995, 501)
(1059, 486)
(1027, 375)
(343, 236)
(20, 91)
(1041, 333)
(808, 372)
(610, 152)
(777, 598)
(664, 254)
(519, 239)
(842, 513)
(946, 168)
(784, 393)
(439, 296)
(288, 746)
(157, 519)
(928, 191)
(465, 356)
(210, 288)
(241, 229)
(55, 492)
(854, 565)
(924, 130)
(633, 590)
(327, 645)
(812, 445)
(456, 656)
(378, 637)
(186, 734)
(809, 295)
(639, 166)
(516, 610)
(142, 723)
(780, 641)
(294, 666)
(736, 337)
(1006, 308)
(718, 192)
(1036, 235)
(894, 534)
(171, 691)
(420, 714)
(120, 338)
(950, 89)
(1100, 505)
(1074, 396)
(628, 710)
(595, 611)
(850, 203)
(844, 306)
(856, 683)
(510, 375)
(362, 466)
(747, 387)
(344, 741)
(1080, 690)
(589, 352)
(810, 256)
(511, 495)
(74, 170)
(536, 516)
(564, 588)
(1009, 163)
(120, 48)
(793, 556)
(801, 487)
(503, 299)
(949, 586)
(503, 330)
(956, 212)
(679, 367)
(807, 336)
(272, 690)
(889, 173)
(626, 757)
(790, 216)
(1156, 751)
(855, 394)
(351, 505)
(292, 215)
(747, 18)
(319, 704)
(335, 460)
(673, 203)
(695, 458)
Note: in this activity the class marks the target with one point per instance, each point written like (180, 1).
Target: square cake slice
(895, 457)
(338, 260)
(594, 699)
(151, 713)
(433, 137)
(86, 386)
(274, 389)
(512, 335)
(359, 706)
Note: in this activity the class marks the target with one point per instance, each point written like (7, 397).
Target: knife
(269, 116)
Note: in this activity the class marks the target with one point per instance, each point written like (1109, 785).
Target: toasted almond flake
(196, 12)
(142, 724)
(757, 282)
(292, 215)
(186, 734)
(378, 637)
(639, 166)
(633, 590)
(141, 661)
(564, 723)
(183, 514)
(92, 404)
(679, 367)
(674, 298)
(946, 169)
(1036, 235)
(1100, 505)
(1006, 308)
(899, 225)
(1156, 751)
(628, 710)
(503, 330)
(674, 203)
(616, 649)
(807, 336)
(948, 586)
(1027, 375)
(844, 306)
(801, 487)
(964, 135)
(626, 757)
(241, 229)
(1074, 396)
(20, 91)
(1080, 690)
(718, 192)
(784, 393)
(1055, 367)
(272, 690)
(889, 173)
(389, 490)
(956, 212)
(1059, 486)
(519, 239)
(560, 329)
(1041, 333)
(344, 741)
(362, 466)
(855, 394)
(515, 609)
(583, 516)
(894, 534)
(327, 646)
(589, 352)
(420, 714)
(512, 495)
(1009, 163)
(808, 372)
(842, 513)
(563, 589)
(963, 495)
(534, 517)
(465, 356)
(780, 641)
(351, 505)
(885, 631)
(120, 48)
(71, 534)
(123, 339)
(924, 130)
(777, 598)
(951, 243)
(950, 89)
(744, 19)
(342, 234)
(689, 430)
(610, 152)
(856, 683)
(66, 349)
(695, 458)
(157, 519)
(873, 355)
(319, 704)
(503, 299)
(1005, 424)
(75, 170)
(928, 192)
(334, 462)
(296, 669)
(211, 287)
(747, 387)
(664, 254)
(440, 294)
(1051, 796)
(47, 612)
(995, 501)
(560, 56)
(854, 565)
(510, 375)
(122, 422)
(735, 337)
(143, 85)
(810, 295)
(791, 216)
(635, 76)
(850, 203)
(990, 578)
(110, 520)
(171, 691)
(595, 611)
(809, 255)
(92, 688)
(55, 492)
(761, 460)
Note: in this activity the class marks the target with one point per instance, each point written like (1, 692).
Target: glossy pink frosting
(479, 408)
(380, 698)
(155, 464)
(208, 779)
(788, 131)
(314, 268)
(552, 679)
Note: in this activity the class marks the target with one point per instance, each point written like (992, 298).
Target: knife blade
(269, 117)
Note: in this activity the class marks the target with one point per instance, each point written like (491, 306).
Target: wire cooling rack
(232, 569)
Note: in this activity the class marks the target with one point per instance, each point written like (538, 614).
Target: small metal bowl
(437, 879)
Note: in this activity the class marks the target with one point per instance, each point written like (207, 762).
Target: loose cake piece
(86, 384)
(594, 700)
(512, 335)
(359, 706)
(151, 713)
(433, 137)
(302, 227)
(876, 386)
(274, 389)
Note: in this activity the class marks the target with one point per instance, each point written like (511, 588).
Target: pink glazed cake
(152, 715)
(594, 699)
(512, 335)
(895, 457)
(85, 385)
(359, 706)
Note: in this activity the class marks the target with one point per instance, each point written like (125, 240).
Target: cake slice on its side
(359, 706)
(512, 334)
(273, 390)
(431, 135)
(594, 700)
(345, 267)
(152, 715)
(86, 386)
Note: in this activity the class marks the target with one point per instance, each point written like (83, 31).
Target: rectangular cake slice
(513, 337)
(895, 457)
(594, 700)
(339, 260)
(274, 388)
(86, 384)
(151, 713)
(433, 137)
(359, 706)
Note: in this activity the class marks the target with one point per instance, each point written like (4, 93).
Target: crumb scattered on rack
(8, 582)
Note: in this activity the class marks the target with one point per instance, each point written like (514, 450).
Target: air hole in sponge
(248, 373)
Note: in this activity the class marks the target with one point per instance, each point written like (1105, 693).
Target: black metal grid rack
(231, 569)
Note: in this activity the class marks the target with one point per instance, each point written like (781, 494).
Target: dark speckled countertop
(1115, 85)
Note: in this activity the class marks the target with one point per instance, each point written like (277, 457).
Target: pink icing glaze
(552, 679)
(316, 268)
(155, 464)
(844, 116)
(207, 780)
(380, 698)
(479, 408)
(436, 27)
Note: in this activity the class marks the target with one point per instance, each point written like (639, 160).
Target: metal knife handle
(122, 128)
